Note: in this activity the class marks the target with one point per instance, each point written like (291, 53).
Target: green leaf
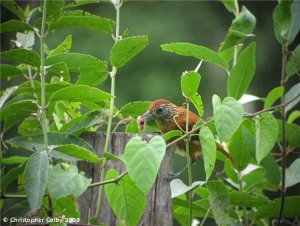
(172, 134)
(292, 134)
(54, 9)
(64, 47)
(136, 108)
(291, 208)
(143, 160)
(13, 7)
(84, 20)
(82, 123)
(126, 200)
(228, 116)
(230, 5)
(242, 73)
(190, 83)
(36, 141)
(6, 94)
(282, 21)
(15, 26)
(61, 70)
(272, 96)
(266, 134)
(238, 149)
(67, 207)
(199, 52)
(22, 56)
(178, 187)
(294, 116)
(30, 126)
(124, 50)
(18, 109)
(208, 145)
(293, 64)
(219, 201)
(92, 78)
(77, 62)
(293, 174)
(78, 152)
(80, 93)
(35, 178)
(9, 71)
(197, 102)
(245, 199)
(65, 182)
(12, 175)
(272, 170)
(293, 93)
(295, 18)
(14, 160)
(241, 27)
(132, 127)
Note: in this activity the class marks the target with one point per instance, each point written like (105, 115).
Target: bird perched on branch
(169, 117)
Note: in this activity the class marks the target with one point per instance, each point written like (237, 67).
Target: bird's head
(161, 111)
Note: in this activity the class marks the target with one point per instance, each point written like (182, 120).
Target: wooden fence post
(159, 204)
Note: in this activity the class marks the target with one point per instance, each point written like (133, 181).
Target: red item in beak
(141, 121)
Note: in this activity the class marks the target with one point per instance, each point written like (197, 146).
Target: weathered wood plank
(159, 208)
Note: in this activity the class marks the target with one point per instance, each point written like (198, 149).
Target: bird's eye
(159, 110)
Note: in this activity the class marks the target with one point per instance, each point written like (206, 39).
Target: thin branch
(115, 180)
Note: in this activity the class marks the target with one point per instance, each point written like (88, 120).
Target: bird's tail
(221, 149)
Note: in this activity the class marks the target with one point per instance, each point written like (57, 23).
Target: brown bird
(169, 117)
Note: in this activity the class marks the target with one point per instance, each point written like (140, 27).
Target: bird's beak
(142, 119)
(147, 115)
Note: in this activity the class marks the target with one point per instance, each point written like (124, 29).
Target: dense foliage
(58, 99)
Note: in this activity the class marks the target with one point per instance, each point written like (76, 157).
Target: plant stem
(110, 113)
(284, 142)
(43, 108)
(115, 180)
(241, 190)
(188, 158)
(205, 217)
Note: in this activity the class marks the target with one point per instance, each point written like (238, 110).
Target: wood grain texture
(159, 203)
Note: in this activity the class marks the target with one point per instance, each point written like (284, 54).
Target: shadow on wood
(159, 208)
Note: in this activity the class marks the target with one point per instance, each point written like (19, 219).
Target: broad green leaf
(108, 155)
(228, 116)
(292, 134)
(241, 27)
(293, 64)
(272, 170)
(172, 134)
(78, 152)
(197, 102)
(67, 207)
(92, 78)
(199, 52)
(18, 109)
(61, 70)
(14, 160)
(190, 83)
(35, 178)
(291, 208)
(294, 116)
(254, 180)
(64, 47)
(266, 130)
(13, 7)
(84, 20)
(80, 93)
(54, 9)
(293, 93)
(30, 126)
(230, 171)
(77, 3)
(242, 73)
(6, 94)
(65, 182)
(272, 96)
(15, 26)
(219, 202)
(124, 50)
(126, 200)
(132, 127)
(21, 208)
(77, 62)
(80, 124)
(293, 174)
(12, 175)
(36, 141)
(22, 56)
(238, 150)
(208, 146)
(178, 187)
(295, 18)
(143, 160)
(9, 71)
(246, 199)
(282, 21)
(136, 108)
(230, 5)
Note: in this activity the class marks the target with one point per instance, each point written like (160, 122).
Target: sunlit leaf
(272, 96)
(172, 134)
(64, 47)
(22, 56)
(178, 187)
(282, 21)
(197, 102)
(295, 18)
(136, 108)
(230, 5)
(190, 82)
(293, 174)
(292, 93)
(15, 26)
